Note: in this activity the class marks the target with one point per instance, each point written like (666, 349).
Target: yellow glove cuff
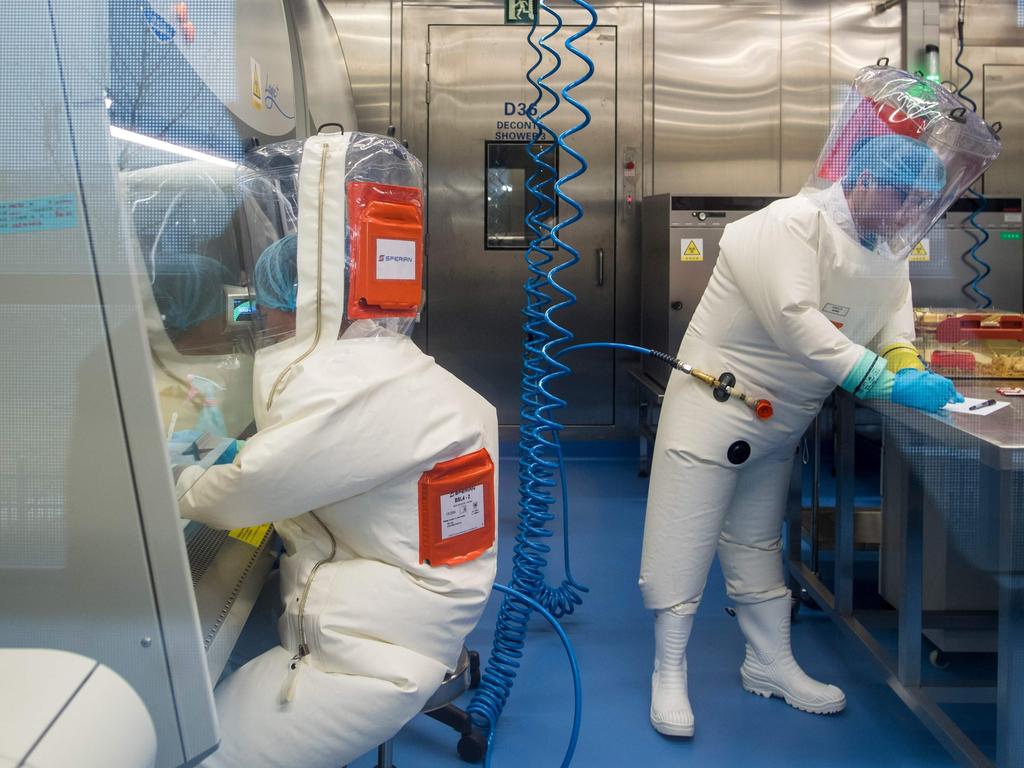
(902, 355)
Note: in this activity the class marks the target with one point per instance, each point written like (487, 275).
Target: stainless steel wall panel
(327, 86)
(648, 99)
(716, 98)
(364, 28)
(859, 36)
(805, 89)
(1003, 100)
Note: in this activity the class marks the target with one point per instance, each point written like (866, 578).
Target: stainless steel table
(998, 441)
(650, 395)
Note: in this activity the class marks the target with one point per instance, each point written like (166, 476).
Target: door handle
(600, 266)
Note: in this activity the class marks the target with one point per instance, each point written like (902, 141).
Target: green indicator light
(921, 91)
(1009, 235)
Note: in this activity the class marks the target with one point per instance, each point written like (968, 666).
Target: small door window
(509, 166)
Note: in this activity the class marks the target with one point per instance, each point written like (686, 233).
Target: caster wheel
(938, 659)
(473, 746)
(474, 669)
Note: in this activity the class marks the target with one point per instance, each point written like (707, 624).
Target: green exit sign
(1009, 235)
(521, 11)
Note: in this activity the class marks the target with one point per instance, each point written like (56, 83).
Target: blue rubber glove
(923, 390)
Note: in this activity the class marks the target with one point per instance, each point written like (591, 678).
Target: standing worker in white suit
(374, 464)
(807, 294)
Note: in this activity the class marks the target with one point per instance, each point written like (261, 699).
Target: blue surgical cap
(896, 161)
(276, 275)
(188, 289)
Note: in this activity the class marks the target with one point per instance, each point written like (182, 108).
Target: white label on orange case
(396, 259)
(462, 511)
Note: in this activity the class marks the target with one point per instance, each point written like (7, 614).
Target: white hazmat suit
(347, 428)
(800, 299)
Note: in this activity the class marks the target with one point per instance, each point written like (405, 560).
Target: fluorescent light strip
(149, 141)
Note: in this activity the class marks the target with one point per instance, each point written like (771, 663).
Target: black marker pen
(979, 406)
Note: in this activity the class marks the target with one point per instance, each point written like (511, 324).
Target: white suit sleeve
(899, 329)
(335, 449)
(777, 270)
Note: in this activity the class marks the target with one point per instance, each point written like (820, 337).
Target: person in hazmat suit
(373, 463)
(181, 224)
(807, 294)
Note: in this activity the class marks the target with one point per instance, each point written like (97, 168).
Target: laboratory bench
(921, 453)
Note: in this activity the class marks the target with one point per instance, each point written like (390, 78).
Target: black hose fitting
(666, 358)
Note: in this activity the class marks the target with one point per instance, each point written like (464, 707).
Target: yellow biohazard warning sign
(257, 83)
(253, 535)
(922, 251)
(692, 249)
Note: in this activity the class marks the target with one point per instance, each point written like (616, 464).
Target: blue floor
(613, 637)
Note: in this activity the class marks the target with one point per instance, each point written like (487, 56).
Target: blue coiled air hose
(970, 257)
(983, 300)
(540, 452)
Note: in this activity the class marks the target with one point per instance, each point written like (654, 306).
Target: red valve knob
(764, 409)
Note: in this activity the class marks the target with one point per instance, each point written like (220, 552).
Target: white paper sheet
(965, 406)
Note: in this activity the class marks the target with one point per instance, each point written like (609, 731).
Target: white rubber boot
(769, 668)
(670, 706)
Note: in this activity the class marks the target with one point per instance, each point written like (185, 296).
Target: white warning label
(691, 249)
(462, 511)
(396, 259)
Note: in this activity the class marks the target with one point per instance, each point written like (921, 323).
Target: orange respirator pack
(457, 510)
(385, 268)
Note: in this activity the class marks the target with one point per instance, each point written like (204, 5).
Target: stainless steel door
(478, 95)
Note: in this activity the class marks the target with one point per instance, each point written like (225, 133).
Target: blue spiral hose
(983, 300)
(526, 605)
(540, 452)
(981, 268)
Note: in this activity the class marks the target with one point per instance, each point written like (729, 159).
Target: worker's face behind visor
(904, 150)
(891, 184)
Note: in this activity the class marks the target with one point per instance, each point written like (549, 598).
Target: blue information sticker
(38, 214)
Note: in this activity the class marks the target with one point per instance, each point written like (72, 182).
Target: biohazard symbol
(920, 252)
(692, 249)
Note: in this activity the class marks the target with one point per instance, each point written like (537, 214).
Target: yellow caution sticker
(257, 83)
(692, 249)
(253, 535)
(922, 251)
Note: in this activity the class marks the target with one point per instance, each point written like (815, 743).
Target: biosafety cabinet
(124, 302)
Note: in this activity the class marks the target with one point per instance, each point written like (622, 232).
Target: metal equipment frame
(1002, 455)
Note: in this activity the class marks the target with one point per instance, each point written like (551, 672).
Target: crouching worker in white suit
(807, 294)
(374, 464)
